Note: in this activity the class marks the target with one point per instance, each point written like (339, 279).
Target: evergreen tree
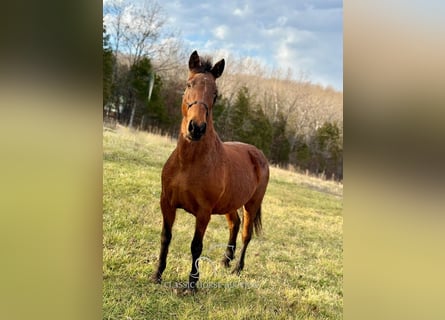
(147, 112)
(261, 131)
(220, 113)
(301, 153)
(280, 147)
(140, 74)
(239, 122)
(156, 111)
(249, 124)
(327, 150)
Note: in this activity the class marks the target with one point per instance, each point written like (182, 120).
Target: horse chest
(194, 192)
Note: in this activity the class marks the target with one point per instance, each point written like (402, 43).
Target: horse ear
(194, 61)
(218, 68)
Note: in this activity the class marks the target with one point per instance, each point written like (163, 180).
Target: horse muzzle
(196, 131)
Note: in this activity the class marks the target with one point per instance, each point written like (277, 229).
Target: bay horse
(205, 176)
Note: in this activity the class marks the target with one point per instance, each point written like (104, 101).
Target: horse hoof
(156, 279)
(236, 271)
(190, 291)
(184, 291)
(225, 263)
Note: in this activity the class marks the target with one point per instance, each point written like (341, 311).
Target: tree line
(294, 122)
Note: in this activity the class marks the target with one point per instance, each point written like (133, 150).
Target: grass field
(293, 271)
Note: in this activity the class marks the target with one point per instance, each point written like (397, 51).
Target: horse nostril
(202, 128)
(191, 127)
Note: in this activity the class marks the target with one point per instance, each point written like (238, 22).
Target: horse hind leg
(252, 209)
(251, 220)
(234, 222)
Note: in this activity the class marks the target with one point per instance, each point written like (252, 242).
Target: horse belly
(236, 194)
(233, 204)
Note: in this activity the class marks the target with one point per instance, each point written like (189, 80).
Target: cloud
(220, 32)
(241, 12)
(301, 35)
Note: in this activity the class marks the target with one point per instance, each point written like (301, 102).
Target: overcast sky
(304, 35)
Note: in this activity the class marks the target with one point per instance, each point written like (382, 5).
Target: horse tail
(257, 222)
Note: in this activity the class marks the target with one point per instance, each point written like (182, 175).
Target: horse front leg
(196, 247)
(168, 216)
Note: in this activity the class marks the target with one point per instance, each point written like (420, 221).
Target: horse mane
(205, 65)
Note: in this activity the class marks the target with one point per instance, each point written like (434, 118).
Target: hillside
(294, 270)
(293, 121)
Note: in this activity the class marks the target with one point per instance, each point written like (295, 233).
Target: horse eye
(189, 85)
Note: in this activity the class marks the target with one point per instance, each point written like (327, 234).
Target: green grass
(293, 271)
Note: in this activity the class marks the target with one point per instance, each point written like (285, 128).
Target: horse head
(199, 96)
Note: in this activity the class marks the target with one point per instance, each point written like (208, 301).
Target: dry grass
(293, 271)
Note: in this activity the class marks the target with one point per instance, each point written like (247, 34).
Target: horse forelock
(205, 65)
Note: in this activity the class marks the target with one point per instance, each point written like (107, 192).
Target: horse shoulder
(169, 166)
(169, 174)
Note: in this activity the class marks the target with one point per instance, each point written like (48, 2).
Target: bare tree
(138, 30)
(302, 105)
